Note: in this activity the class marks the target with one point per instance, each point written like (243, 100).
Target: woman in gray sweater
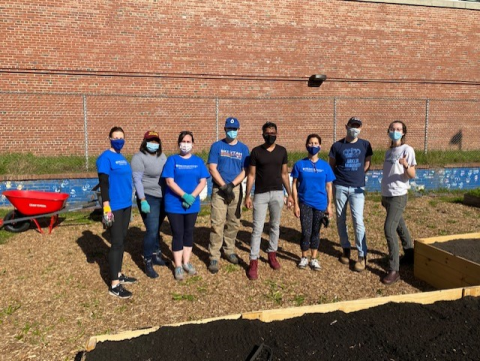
(147, 166)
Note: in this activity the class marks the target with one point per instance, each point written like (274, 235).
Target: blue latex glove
(185, 205)
(188, 198)
(144, 206)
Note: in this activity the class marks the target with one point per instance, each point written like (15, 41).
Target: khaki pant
(225, 222)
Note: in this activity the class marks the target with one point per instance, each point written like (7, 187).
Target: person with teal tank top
(147, 166)
(186, 176)
(312, 193)
(116, 187)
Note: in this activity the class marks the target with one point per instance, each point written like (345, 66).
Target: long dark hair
(404, 130)
(143, 147)
(183, 134)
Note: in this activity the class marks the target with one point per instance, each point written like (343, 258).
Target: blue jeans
(356, 197)
(151, 241)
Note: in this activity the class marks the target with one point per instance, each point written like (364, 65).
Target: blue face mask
(395, 135)
(313, 150)
(152, 147)
(232, 134)
(117, 144)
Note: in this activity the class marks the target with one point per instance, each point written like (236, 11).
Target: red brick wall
(135, 60)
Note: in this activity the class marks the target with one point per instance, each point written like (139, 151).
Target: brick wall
(160, 64)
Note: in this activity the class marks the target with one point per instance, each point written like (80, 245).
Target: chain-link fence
(78, 124)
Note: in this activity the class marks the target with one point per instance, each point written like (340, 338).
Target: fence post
(334, 119)
(217, 102)
(85, 129)
(427, 113)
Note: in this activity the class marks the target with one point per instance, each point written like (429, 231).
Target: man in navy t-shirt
(350, 159)
(268, 169)
(227, 162)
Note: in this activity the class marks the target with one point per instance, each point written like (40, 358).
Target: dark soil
(465, 248)
(446, 330)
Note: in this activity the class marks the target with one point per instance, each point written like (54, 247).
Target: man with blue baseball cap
(227, 162)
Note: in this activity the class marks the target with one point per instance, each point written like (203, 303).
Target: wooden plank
(448, 238)
(461, 264)
(352, 306)
(471, 291)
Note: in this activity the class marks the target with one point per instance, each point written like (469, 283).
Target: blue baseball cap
(232, 123)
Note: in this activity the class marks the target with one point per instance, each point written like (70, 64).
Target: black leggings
(118, 234)
(182, 226)
(311, 221)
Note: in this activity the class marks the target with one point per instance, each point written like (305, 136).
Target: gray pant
(273, 201)
(395, 224)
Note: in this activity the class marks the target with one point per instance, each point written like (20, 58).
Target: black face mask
(269, 139)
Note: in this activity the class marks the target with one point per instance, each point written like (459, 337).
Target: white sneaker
(303, 263)
(315, 265)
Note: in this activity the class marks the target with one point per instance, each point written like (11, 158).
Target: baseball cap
(232, 123)
(354, 120)
(151, 134)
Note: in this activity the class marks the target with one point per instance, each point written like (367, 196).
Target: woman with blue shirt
(115, 176)
(186, 176)
(312, 192)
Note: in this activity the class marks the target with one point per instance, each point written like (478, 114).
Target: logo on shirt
(121, 162)
(311, 170)
(230, 154)
(352, 152)
(186, 166)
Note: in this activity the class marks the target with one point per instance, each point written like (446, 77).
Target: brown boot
(272, 260)
(391, 277)
(252, 271)
(360, 264)
(345, 257)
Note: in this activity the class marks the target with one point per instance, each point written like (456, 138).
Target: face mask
(269, 139)
(117, 144)
(152, 147)
(185, 147)
(313, 150)
(353, 132)
(232, 134)
(395, 135)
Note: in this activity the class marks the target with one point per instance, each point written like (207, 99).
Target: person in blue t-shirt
(116, 187)
(227, 162)
(186, 176)
(312, 193)
(350, 160)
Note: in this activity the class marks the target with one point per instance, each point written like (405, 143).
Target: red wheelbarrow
(30, 205)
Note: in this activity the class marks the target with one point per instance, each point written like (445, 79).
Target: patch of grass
(204, 211)
(182, 297)
(299, 300)
(275, 292)
(474, 192)
(192, 280)
(433, 203)
(229, 268)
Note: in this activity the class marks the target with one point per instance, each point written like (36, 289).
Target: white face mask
(353, 132)
(185, 147)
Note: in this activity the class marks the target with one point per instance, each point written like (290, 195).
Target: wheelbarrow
(31, 205)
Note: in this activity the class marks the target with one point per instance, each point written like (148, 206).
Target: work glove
(185, 205)
(227, 190)
(188, 198)
(144, 206)
(108, 217)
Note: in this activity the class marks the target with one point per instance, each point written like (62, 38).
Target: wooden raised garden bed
(443, 269)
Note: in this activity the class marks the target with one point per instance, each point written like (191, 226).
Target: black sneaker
(120, 292)
(125, 280)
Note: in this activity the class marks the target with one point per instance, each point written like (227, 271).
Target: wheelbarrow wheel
(16, 227)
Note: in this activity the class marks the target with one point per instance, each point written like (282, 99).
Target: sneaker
(360, 264)
(119, 292)
(158, 260)
(252, 271)
(232, 258)
(213, 267)
(345, 257)
(188, 267)
(303, 263)
(315, 265)
(272, 261)
(125, 280)
(149, 271)
(179, 273)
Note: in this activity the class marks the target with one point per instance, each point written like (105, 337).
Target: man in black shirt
(268, 169)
